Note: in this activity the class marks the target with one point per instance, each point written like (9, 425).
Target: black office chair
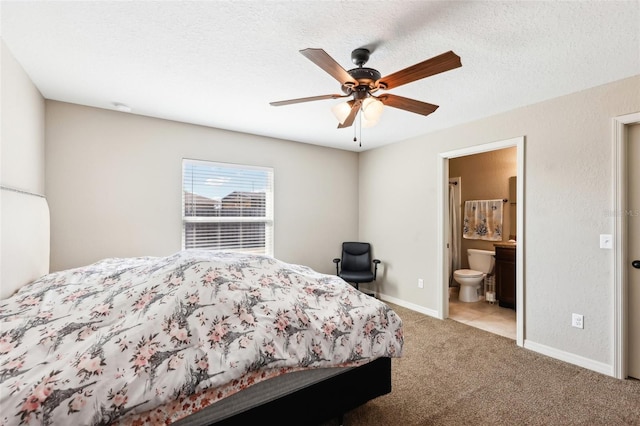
(356, 264)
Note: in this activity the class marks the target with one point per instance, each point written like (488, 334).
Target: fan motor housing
(364, 76)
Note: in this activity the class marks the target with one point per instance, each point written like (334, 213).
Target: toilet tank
(481, 260)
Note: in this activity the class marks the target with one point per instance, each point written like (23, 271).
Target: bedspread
(95, 344)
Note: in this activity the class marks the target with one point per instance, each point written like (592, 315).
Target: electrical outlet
(420, 283)
(577, 320)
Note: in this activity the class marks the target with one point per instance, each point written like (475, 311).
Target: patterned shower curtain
(483, 220)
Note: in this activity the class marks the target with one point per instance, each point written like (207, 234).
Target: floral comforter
(96, 344)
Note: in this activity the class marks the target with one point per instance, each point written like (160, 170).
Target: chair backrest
(356, 256)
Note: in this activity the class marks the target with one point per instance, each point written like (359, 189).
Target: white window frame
(269, 207)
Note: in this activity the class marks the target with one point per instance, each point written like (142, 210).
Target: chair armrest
(375, 270)
(336, 261)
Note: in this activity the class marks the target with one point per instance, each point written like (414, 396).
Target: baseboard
(574, 359)
(408, 305)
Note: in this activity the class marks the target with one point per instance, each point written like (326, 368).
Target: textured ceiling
(220, 63)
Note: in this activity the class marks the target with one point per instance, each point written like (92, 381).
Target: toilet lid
(468, 273)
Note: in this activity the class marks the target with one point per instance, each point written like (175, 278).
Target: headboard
(25, 233)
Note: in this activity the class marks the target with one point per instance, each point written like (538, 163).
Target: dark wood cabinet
(505, 271)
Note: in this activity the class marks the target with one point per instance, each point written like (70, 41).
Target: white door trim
(620, 247)
(443, 223)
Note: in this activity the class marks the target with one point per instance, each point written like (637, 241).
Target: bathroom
(485, 176)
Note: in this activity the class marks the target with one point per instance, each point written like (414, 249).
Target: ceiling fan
(361, 83)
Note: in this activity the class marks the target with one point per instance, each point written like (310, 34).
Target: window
(227, 207)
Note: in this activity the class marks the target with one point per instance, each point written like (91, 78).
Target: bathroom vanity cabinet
(505, 271)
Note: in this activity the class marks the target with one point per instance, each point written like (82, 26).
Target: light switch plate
(606, 241)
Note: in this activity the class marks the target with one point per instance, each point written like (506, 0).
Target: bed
(198, 337)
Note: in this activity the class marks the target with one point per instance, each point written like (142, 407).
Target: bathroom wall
(484, 177)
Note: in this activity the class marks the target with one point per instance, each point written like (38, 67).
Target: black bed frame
(323, 401)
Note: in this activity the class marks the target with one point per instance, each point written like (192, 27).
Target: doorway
(444, 225)
(489, 175)
(626, 348)
(633, 249)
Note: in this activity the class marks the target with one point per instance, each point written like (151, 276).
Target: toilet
(481, 263)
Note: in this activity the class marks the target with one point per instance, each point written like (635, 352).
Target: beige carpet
(453, 374)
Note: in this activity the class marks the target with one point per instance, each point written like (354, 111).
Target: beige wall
(113, 182)
(484, 176)
(567, 189)
(22, 129)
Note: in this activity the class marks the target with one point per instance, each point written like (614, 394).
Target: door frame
(443, 224)
(620, 286)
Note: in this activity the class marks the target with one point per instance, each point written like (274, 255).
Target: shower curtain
(454, 234)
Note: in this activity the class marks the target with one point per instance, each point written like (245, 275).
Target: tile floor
(483, 315)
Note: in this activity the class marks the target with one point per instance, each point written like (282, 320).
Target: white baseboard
(578, 360)
(408, 305)
(574, 359)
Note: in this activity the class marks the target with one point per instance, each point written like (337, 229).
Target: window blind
(227, 207)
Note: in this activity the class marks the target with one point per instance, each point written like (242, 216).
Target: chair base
(357, 286)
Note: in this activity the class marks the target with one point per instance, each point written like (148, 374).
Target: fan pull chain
(355, 139)
(360, 127)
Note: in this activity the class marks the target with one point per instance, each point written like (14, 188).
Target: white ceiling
(220, 63)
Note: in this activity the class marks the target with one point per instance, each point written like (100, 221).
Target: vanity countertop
(506, 244)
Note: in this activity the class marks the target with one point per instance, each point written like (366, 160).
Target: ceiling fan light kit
(372, 109)
(361, 83)
(341, 111)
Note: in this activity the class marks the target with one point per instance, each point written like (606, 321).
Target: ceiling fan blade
(441, 63)
(352, 115)
(327, 63)
(309, 99)
(407, 104)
